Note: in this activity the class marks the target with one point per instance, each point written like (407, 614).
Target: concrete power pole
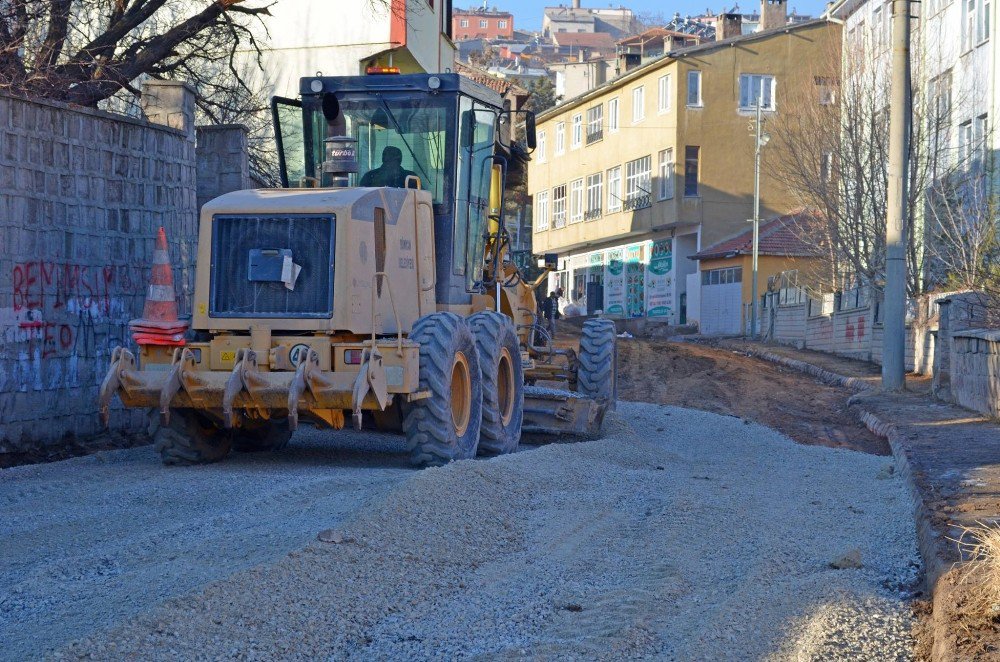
(900, 114)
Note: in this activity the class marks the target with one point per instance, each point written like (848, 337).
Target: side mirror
(468, 123)
(529, 130)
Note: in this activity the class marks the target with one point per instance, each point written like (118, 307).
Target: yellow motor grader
(378, 279)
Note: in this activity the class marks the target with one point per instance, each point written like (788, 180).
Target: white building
(344, 38)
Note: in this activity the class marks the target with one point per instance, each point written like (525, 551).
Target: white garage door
(721, 301)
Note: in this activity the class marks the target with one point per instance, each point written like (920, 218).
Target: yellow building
(631, 179)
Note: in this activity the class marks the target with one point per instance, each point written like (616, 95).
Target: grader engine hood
(304, 260)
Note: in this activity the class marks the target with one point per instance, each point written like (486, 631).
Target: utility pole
(760, 139)
(900, 115)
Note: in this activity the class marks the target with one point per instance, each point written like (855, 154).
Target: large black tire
(445, 426)
(272, 435)
(190, 438)
(597, 365)
(503, 382)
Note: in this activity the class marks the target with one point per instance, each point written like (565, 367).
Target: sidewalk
(949, 455)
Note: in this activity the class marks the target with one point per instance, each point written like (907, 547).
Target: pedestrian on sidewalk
(551, 313)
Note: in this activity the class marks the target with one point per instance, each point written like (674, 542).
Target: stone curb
(928, 540)
(852, 383)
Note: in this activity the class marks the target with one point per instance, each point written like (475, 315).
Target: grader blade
(549, 412)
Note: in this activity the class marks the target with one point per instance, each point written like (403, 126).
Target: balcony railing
(592, 214)
(637, 202)
(594, 136)
(559, 219)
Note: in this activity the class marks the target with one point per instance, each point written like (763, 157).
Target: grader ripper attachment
(378, 279)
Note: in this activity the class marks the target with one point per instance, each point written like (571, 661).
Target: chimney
(773, 14)
(728, 26)
(576, 4)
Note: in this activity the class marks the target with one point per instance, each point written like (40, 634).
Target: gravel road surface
(92, 541)
(681, 535)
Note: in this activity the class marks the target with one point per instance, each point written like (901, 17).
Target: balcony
(637, 202)
(594, 136)
(592, 214)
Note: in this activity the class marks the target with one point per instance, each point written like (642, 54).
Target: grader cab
(377, 280)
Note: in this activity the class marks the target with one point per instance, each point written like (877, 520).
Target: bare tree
(963, 243)
(835, 159)
(86, 51)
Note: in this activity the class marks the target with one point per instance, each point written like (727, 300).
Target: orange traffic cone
(159, 324)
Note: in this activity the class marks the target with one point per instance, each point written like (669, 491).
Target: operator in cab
(391, 173)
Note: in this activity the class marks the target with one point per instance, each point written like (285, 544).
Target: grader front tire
(191, 439)
(445, 426)
(503, 382)
(597, 366)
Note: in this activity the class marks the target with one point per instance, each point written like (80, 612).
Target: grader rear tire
(445, 426)
(190, 438)
(597, 368)
(503, 382)
(272, 435)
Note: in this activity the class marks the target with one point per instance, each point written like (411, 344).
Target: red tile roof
(484, 78)
(793, 235)
(599, 40)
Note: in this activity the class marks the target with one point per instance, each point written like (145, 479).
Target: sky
(528, 13)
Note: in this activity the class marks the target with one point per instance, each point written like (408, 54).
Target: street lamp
(760, 139)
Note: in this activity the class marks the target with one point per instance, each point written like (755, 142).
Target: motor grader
(370, 283)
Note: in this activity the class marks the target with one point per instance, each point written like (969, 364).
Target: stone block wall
(82, 194)
(975, 370)
(223, 165)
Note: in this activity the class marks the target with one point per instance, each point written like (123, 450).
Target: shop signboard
(659, 280)
(614, 282)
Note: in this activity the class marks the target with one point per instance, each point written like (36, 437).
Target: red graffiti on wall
(52, 285)
(50, 335)
(855, 331)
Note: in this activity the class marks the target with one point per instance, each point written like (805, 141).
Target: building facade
(633, 178)
(483, 23)
(413, 35)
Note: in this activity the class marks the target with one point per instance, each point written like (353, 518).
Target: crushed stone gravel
(93, 541)
(681, 535)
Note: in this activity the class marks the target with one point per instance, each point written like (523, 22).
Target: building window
(615, 189)
(595, 124)
(666, 188)
(576, 139)
(826, 90)
(638, 104)
(541, 211)
(964, 143)
(694, 88)
(975, 22)
(979, 136)
(559, 206)
(613, 115)
(724, 276)
(881, 27)
(464, 23)
(595, 194)
(825, 166)
(663, 95)
(576, 201)
(560, 138)
(691, 157)
(483, 23)
(754, 88)
(502, 24)
(540, 146)
(637, 183)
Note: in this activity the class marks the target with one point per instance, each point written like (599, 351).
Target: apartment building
(631, 179)
(296, 39)
(482, 23)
